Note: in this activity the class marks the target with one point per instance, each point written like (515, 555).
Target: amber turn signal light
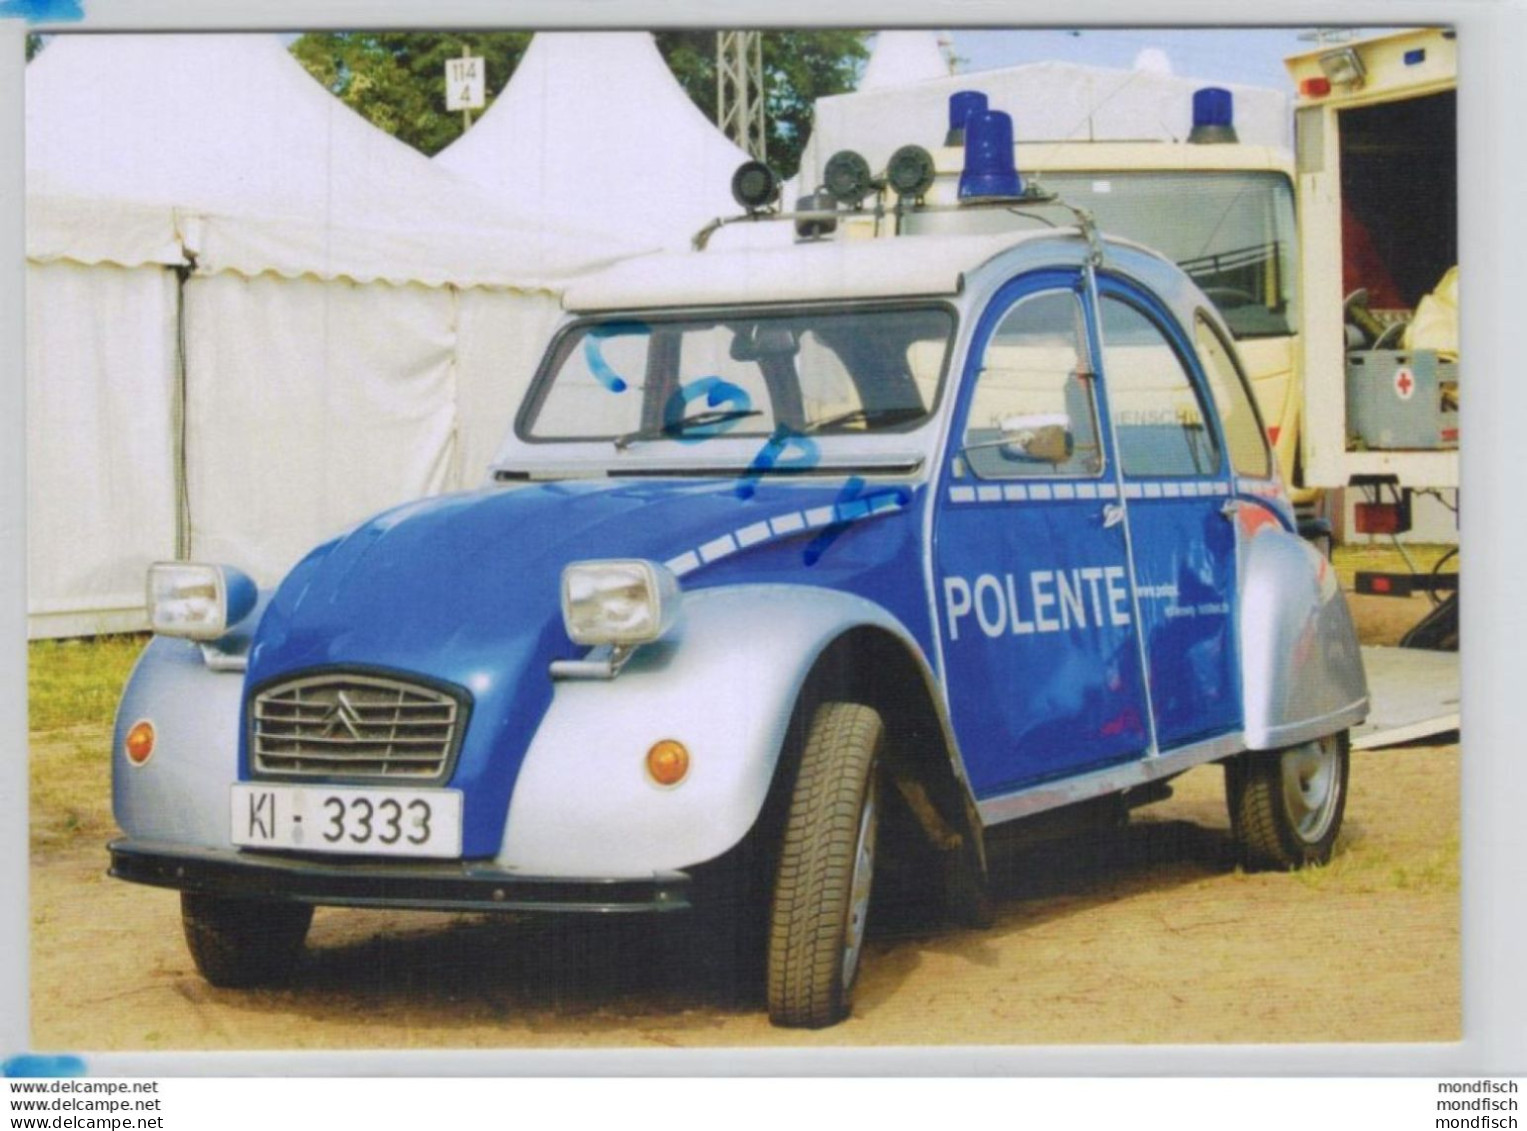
(139, 743)
(667, 762)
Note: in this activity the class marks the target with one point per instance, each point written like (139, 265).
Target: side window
(1033, 411)
(1160, 423)
(1243, 431)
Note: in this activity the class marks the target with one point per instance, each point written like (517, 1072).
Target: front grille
(343, 725)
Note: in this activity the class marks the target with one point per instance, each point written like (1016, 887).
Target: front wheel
(826, 869)
(1286, 806)
(243, 942)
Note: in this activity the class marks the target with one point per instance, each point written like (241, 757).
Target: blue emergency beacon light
(989, 168)
(962, 104)
(1213, 117)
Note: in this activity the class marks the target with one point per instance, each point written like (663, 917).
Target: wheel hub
(1312, 787)
(859, 889)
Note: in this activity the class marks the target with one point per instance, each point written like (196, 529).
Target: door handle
(1113, 514)
(1229, 508)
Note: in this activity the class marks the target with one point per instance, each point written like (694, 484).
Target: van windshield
(821, 373)
(1232, 232)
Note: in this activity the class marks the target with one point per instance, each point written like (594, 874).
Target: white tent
(900, 57)
(1048, 102)
(594, 130)
(215, 241)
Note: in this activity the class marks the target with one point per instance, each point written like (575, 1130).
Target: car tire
(238, 943)
(1286, 806)
(825, 870)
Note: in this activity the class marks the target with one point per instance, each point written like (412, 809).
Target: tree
(799, 67)
(396, 80)
(35, 43)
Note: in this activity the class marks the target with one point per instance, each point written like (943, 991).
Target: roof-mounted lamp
(755, 186)
(989, 167)
(847, 178)
(910, 172)
(1213, 117)
(962, 104)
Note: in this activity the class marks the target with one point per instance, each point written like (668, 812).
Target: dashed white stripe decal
(1139, 489)
(820, 516)
(752, 535)
(787, 524)
(718, 548)
(684, 563)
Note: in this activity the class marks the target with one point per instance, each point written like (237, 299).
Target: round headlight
(910, 171)
(847, 177)
(755, 185)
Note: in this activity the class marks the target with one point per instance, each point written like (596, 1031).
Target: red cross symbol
(1404, 384)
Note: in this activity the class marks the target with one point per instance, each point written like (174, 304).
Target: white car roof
(824, 270)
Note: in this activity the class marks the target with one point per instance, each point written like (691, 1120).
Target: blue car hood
(441, 586)
(465, 590)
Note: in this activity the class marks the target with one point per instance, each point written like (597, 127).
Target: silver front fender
(180, 795)
(1301, 669)
(725, 687)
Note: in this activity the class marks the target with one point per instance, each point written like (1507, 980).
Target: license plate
(345, 819)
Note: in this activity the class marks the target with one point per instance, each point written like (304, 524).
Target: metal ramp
(1414, 694)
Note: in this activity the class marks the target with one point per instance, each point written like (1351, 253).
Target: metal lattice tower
(739, 89)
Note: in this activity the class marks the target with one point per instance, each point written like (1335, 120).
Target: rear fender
(1301, 669)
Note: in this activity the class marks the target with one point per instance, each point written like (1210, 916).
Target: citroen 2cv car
(810, 563)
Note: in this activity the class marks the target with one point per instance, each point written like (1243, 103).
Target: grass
(73, 687)
(1362, 869)
(78, 682)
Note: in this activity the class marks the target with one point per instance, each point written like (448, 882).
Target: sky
(1253, 56)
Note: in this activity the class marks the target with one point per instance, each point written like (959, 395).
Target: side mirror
(1037, 439)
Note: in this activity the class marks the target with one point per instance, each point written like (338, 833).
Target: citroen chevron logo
(342, 714)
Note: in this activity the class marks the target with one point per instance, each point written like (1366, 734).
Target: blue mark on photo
(42, 11)
(768, 458)
(593, 352)
(716, 393)
(851, 505)
(37, 1064)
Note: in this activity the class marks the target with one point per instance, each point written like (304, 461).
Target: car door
(1179, 495)
(1037, 628)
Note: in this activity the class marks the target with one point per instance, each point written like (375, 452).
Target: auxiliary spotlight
(755, 186)
(847, 178)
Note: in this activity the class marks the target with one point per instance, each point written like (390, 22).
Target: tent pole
(178, 417)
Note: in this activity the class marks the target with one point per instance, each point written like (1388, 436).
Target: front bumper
(418, 885)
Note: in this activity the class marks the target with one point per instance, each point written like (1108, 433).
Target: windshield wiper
(870, 416)
(673, 429)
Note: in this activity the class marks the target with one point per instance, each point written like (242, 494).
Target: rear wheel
(826, 869)
(243, 942)
(1286, 806)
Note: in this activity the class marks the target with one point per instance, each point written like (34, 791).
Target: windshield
(1232, 232)
(816, 373)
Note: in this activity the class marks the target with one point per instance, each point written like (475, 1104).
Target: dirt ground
(1147, 933)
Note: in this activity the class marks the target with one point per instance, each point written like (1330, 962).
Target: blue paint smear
(35, 1064)
(593, 350)
(42, 11)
